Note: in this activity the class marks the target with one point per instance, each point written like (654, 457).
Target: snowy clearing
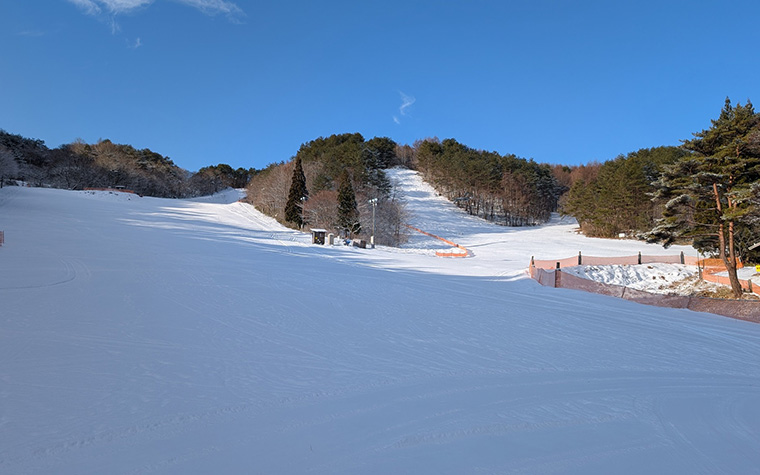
(146, 335)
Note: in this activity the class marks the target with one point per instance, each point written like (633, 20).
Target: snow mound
(654, 278)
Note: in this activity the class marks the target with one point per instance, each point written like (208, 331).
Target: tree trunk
(728, 260)
(732, 263)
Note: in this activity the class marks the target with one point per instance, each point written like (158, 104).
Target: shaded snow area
(147, 335)
(655, 278)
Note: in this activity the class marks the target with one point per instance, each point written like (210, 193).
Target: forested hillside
(504, 189)
(616, 197)
(342, 174)
(105, 164)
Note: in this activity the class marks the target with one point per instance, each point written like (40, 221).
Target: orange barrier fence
(552, 276)
(742, 309)
(581, 260)
(709, 267)
(463, 250)
(723, 280)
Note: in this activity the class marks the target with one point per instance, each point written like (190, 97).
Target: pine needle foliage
(297, 195)
(710, 195)
(348, 212)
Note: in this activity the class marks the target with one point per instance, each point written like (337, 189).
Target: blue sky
(246, 83)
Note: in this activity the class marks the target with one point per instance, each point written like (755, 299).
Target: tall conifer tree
(348, 214)
(297, 195)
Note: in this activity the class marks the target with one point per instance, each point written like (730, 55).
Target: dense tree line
(616, 196)
(214, 178)
(505, 189)
(342, 174)
(104, 164)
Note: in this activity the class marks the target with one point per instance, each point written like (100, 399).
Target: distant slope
(500, 250)
(145, 335)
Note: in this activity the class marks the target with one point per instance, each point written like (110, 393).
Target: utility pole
(303, 202)
(373, 202)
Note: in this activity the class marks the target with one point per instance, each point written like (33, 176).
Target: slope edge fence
(460, 252)
(549, 273)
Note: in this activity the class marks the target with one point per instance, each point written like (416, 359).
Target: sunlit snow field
(144, 335)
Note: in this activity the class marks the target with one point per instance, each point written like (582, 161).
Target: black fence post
(682, 259)
(580, 258)
(639, 257)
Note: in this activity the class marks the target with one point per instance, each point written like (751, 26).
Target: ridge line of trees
(80, 165)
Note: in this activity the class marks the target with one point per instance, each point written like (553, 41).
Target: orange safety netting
(462, 252)
(552, 276)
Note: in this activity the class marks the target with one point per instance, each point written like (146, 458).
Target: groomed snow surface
(143, 335)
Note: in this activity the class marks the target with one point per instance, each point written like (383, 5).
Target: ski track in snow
(142, 335)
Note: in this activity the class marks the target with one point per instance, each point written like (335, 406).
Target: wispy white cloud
(112, 8)
(213, 7)
(406, 103)
(89, 6)
(109, 9)
(134, 44)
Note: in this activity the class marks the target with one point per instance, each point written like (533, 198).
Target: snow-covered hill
(141, 335)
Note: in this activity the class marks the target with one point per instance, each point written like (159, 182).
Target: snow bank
(654, 278)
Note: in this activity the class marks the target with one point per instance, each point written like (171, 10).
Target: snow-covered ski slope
(141, 335)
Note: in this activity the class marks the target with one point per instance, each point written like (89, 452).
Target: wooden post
(682, 260)
(557, 278)
(2, 237)
(639, 257)
(580, 258)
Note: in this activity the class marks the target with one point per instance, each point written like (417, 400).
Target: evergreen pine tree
(709, 193)
(297, 195)
(348, 214)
